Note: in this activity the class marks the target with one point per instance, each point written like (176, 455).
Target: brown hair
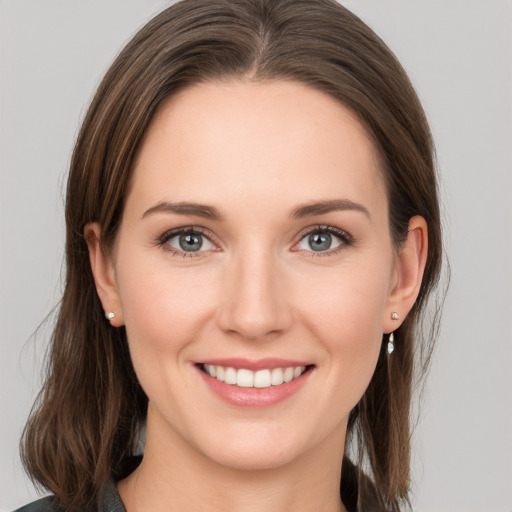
(91, 407)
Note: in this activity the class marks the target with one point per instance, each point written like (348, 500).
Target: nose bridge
(254, 302)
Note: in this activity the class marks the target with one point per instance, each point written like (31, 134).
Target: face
(254, 246)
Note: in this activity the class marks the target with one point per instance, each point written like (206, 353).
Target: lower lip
(254, 397)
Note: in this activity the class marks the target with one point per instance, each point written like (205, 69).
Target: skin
(255, 152)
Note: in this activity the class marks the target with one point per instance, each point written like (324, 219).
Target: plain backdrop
(459, 56)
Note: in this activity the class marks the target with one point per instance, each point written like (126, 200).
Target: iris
(190, 243)
(320, 241)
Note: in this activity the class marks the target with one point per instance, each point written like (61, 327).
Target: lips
(254, 383)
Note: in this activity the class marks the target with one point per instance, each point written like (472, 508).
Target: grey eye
(190, 242)
(319, 241)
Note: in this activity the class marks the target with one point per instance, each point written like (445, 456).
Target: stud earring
(391, 343)
(110, 315)
(395, 316)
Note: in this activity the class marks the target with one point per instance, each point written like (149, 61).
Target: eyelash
(345, 238)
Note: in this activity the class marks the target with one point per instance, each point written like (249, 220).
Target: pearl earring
(391, 343)
(110, 315)
(395, 316)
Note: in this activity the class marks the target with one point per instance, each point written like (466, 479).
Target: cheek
(347, 299)
(345, 313)
(163, 307)
(165, 311)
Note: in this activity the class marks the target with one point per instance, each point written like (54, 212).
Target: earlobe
(103, 270)
(410, 265)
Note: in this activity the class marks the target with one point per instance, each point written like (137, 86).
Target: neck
(173, 476)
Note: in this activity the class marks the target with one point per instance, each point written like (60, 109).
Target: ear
(410, 265)
(103, 270)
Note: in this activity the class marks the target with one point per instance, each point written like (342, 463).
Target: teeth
(277, 377)
(244, 378)
(248, 379)
(262, 379)
(297, 372)
(288, 374)
(230, 376)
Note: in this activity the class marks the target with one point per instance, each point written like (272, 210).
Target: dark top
(110, 501)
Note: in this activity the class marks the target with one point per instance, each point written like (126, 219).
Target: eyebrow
(322, 207)
(301, 212)
(198, 210)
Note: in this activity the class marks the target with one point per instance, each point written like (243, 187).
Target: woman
(252, 206)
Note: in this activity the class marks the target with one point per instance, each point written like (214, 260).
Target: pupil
(320, 241)
(190, 242)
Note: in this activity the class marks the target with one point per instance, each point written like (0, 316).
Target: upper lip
(255, 365)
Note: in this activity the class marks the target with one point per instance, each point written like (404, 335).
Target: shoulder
(108, 501)
(42, 505)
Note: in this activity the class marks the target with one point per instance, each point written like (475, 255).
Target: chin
(265, 447)
(255, 458)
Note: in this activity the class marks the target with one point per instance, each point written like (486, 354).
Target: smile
(254, 383)
(245, 378)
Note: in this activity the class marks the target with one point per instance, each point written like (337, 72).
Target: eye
(187, 241)
(324, 239)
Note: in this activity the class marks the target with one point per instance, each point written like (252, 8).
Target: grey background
(459, 55)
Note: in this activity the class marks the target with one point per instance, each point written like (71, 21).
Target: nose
(254, 303)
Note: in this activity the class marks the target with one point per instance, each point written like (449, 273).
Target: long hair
(87, 416)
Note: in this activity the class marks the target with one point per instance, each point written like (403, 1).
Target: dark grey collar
(110, 500)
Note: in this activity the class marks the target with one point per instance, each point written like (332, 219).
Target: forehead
(250, 142)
